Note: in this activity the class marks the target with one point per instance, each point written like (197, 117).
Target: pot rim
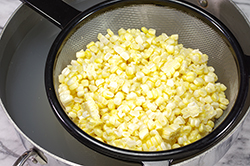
(21, 7)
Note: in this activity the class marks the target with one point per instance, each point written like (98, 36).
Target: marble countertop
(11, 146)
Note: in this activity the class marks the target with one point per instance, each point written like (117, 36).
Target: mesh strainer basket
(196, 28)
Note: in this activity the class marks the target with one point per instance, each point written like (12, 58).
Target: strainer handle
(56, 11)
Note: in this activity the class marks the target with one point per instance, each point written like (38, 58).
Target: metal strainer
(194, 32)
(196, 28)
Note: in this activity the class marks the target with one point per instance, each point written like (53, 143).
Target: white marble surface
(11, 146)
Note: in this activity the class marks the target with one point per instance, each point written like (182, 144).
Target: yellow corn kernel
(179, 120)
(98, 60)
(194, 122)
(98, 132)
(186, 129)
(210, 123)
(94, 49)
(215, 97)
(92, 88)
(154, 141)
(170, 49)
(144, 147)
(130, 71)
(208, 128)
(174, 36)
(88, 55)
(143, 133)
(202, 92)
(90, 44)
(223, 87)
(85, 83)
(208, 99)
(202, 128)
(193, 136)
(209, 78)
(110, 32)
(144, 29)
(190, 76)
(108, 94)
(80, 54)
(151, 31)
(198, 81)
(151, 125)
(219, 112)
(163, 120)
(66, 99)
(111, 105)
(224, 101)
(222, 106)
(128, 36)
(174, 146)
(182, 140)
(72, 115)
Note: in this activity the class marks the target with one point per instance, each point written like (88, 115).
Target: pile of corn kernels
(139, 91)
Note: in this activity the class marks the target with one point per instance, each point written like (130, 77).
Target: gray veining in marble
(11, 146)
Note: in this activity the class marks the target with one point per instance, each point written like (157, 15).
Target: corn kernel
(151, 31)
(210, 123)
(143, 133)
(224, 101)
(107, 94)
(90, 44)
(174, 146)
(219, 112)
(202, 92)
(144, 29)
(110, 32)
